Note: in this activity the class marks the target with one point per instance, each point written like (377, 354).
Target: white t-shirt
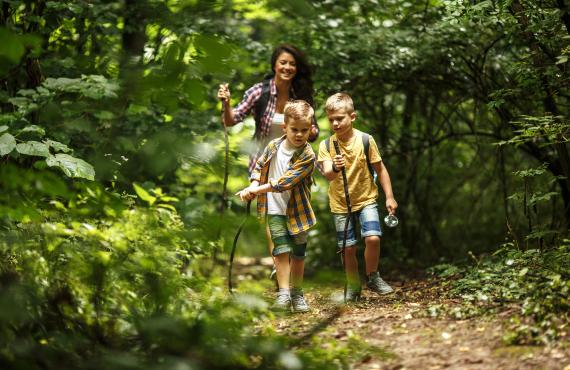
(277, 202)
(277, 124)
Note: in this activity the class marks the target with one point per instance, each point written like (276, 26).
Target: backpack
(366, 144)
(261, 104)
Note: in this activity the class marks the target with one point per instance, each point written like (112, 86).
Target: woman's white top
(276, 129)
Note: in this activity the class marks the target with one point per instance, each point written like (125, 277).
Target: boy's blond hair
(339, 101)
(298, 110)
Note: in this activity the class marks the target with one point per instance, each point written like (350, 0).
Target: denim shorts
(283, 241)
(369, 225)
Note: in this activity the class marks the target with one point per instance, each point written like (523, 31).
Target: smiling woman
(291, 78)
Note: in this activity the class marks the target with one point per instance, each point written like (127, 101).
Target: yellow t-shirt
(361, 187)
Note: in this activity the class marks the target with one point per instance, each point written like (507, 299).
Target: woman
(291, 78)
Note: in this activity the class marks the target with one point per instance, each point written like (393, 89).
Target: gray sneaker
(282, 303)
(298, 302)
(376, 284)
(352, 294)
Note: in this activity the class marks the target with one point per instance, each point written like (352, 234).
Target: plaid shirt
(297, 178)
(262, 129)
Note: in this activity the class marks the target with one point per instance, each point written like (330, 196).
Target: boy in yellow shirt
(362, 190)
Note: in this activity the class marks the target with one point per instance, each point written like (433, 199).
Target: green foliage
(114, 272)
(533, 284)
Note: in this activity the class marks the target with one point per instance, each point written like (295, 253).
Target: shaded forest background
(112, 160)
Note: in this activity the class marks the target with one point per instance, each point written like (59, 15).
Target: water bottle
(391, 221)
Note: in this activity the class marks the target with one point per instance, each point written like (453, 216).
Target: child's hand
(246, 194)
(224, 93)
(338, 161)
(391, 205)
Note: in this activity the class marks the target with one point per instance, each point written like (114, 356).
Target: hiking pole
(232, 254)
(348, 216)
(226, 171)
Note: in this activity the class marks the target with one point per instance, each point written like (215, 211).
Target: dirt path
(398, 332)
(406, 338)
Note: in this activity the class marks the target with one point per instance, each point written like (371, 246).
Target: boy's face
(297, 132)
(341, 121)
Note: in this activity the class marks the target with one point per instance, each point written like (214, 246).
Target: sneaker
(298, 302)
(376, 284)
(352, 294)
(282, 302)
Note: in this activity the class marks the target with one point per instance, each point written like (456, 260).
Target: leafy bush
(533, 283)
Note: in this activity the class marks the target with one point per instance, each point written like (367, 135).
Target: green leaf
(7, 144)
(195, 90)
(33, 128)
(34, 148)
(12, 46)
(57, 146)
(71, 166)
(143, 194)
(3, 128)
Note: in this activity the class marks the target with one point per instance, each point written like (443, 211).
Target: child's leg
(371, 232)
(350, 260)
(283, 270)
(282, 248)
(351, 267)
(372, 253)
(270, 244)
(297, 271)
(298, 260)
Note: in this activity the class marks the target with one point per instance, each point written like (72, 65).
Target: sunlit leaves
(57, 146)
(71, 166)
(7, 144)
(144, 195)
(33, 148)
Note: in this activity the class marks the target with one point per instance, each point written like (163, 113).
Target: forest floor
(397, 331)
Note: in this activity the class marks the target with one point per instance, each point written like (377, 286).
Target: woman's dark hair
(303, 81)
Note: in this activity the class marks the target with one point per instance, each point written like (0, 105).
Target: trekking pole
(348, 216)
(233, 252)
(226, 171)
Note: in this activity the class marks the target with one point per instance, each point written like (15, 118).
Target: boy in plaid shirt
(281, 180)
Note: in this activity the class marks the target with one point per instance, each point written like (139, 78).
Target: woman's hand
(224, 93)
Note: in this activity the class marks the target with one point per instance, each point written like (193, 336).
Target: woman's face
(285, 67)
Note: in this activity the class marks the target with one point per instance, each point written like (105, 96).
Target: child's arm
(384, 179)
(253, 190)
(303, 167)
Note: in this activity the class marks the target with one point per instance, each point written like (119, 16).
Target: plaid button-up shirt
(297, 178)
(262, 129)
